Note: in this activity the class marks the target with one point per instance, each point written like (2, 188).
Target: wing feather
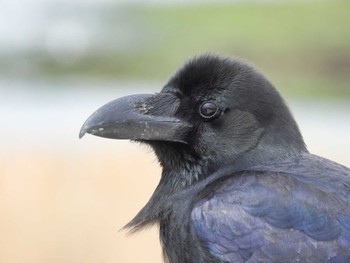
(270, 214)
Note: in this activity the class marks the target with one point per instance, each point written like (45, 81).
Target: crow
(238, 183)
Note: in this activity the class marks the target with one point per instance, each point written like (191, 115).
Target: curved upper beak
(138, 117)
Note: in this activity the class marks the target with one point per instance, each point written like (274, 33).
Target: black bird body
(238, 184)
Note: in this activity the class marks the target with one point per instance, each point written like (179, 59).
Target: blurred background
(65, 200)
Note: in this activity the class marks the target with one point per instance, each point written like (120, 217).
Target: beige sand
(69, 205)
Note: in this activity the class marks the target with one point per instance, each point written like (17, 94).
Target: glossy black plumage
(293, 211)
(238, 184)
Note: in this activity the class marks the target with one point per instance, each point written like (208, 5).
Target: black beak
(138, 117)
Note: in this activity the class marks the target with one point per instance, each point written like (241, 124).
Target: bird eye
(209, 110)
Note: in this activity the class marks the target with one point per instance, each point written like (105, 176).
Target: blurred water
(49, 114)
(36, 114)
(325, 125)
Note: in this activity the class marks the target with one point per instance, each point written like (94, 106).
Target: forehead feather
(207, 74)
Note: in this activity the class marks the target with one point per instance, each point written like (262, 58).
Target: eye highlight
(209, 110)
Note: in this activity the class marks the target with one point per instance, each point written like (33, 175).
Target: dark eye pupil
(208, 110)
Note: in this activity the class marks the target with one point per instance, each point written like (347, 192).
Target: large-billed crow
(238, 184)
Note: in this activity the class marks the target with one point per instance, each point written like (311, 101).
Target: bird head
(213, 112)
